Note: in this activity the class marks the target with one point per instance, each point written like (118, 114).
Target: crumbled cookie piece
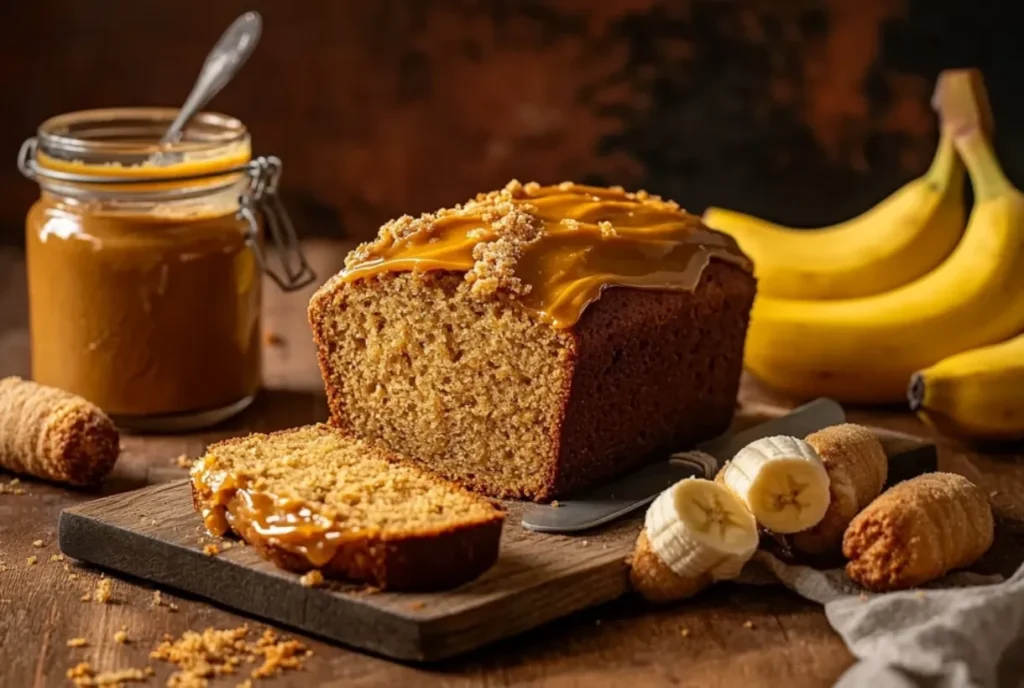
(212, 653)
(78, 642)
(56, 557)
(748, 624)
(685, 632)
(121, 636)
(80, 670)
(84, 677)
(182, 462)
(31, 561)
(102, 593)
(211, 549)
(158, 601)
(313, 578)
(278, 655)
(12, 488)
(38, 543)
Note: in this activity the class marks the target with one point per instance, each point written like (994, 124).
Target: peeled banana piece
(977, 394)
(783, 482)
(695, 532)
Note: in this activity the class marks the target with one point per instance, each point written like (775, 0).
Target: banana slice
(701, 530)
(783, 482)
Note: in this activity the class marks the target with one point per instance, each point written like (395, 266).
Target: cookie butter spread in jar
(145, 263)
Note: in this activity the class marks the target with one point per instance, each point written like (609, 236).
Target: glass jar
(145, 263)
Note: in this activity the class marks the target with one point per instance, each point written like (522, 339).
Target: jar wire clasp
(262, 198)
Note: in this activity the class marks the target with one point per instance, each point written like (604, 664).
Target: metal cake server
(626, 494)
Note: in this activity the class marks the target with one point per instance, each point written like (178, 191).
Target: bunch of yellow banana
(895, 242)
(935, 330)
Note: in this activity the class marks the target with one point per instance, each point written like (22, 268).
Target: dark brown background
(805, 111)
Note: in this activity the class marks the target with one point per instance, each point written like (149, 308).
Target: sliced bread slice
(315, 498)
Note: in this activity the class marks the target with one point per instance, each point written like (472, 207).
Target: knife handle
(701, 461)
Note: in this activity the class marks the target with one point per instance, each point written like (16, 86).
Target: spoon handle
(227, 56)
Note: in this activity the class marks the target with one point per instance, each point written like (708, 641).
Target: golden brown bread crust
(429, 559)
(653, 371)
(426, 561)
(54, 435)
(646, 371)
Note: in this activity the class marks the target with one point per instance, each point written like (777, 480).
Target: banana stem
(946, 167)
(915, 392)
(987, 176)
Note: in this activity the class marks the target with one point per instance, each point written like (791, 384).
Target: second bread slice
(313, 497)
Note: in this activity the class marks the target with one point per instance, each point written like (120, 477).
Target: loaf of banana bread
(536, 340)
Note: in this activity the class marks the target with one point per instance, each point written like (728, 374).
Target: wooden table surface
(787, 643)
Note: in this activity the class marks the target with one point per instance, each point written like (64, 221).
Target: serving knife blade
(625, 494)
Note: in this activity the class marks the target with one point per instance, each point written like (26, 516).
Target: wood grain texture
(625, 642)
(155, 534)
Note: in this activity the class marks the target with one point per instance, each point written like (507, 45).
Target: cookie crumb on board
(31, 561)
(56, 557)
(12, 488)
(102, 593)
(158, 601)
(685, 632)
(313, 578)
(121, 636)
(182, 461)
(211, 549)
(83, 676)
(78, 642)
(748, 624)
(80, 670)
(38, 543)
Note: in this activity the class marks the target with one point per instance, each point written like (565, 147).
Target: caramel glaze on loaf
(445, 368)
(353, 511)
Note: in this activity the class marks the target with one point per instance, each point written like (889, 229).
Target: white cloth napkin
(963, 631)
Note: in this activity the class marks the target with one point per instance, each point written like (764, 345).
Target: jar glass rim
(136, 131)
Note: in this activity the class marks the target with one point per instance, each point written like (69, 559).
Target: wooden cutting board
(154, 534)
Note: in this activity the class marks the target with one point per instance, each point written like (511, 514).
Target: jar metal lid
(260, 198)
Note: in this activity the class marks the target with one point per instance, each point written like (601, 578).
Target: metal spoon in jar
(235, 46)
